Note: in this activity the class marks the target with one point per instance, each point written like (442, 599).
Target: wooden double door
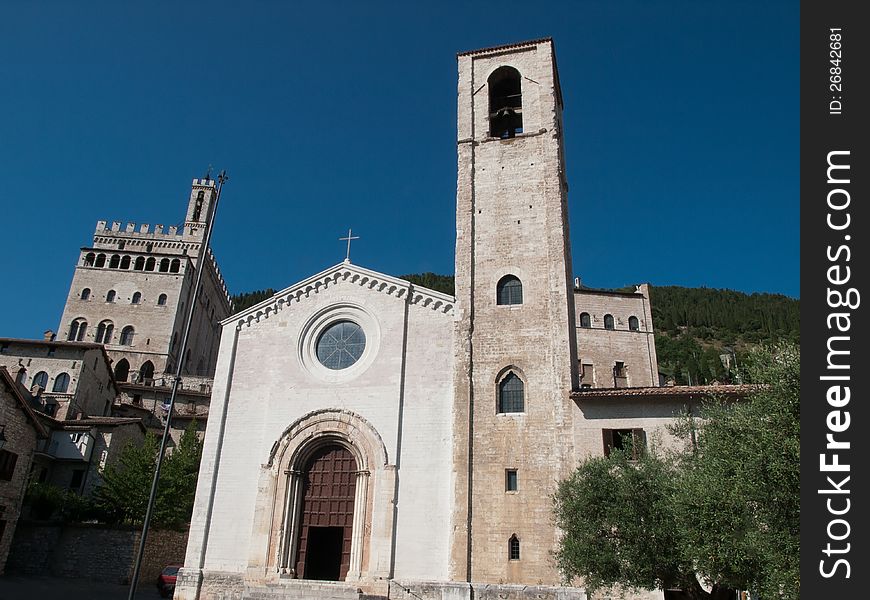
(328, 490)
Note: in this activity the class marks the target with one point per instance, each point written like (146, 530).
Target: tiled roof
(667, 392)
(507, 46)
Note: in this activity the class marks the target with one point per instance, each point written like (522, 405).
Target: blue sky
(681, 123)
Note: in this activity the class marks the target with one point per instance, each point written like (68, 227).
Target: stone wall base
(215, 585)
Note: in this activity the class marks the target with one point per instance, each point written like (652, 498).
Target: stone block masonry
(96, 552)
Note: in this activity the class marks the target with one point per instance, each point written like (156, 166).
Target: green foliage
(123, 497)
(47, 502)
(439, 283)
(741, 490)
(724, 510)
(696, 325)
(249, 299)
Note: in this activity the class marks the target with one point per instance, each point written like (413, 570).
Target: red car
(166, 580)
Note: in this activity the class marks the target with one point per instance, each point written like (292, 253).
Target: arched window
(139, 265)
(41, 379)
(146, 372)
(509, 290)
(511, 394)
(633, 323)
(122, 370)
(104, 332)
(110, 296)
(505, 103)
(77, 330)
(61, 383)
(114, 262)
(127, 336)
(175, 265)
(101, 260)
(514, 548)
(125, 262)
(149, 264)
(608, 322)
(164, 265)
(90, 257)
(137, 298)
(86, 293)
(161, 300)
(585, 320)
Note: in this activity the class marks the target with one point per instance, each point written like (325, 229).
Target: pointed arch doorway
(326, 523)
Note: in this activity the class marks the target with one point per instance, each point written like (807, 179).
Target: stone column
(354, 571)
(290, 527)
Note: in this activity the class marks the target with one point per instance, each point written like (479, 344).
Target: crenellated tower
(132, 287)
(515, 345)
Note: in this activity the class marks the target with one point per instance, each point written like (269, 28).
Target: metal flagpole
(203, 257)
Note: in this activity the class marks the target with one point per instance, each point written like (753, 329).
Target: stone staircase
(293, 589)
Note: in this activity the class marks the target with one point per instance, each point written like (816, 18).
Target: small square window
(511, 483)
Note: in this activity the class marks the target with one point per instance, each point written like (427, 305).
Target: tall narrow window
(101, 260)
(149, 264)
(61, 383)
(125, 262)
(137, 298)
(633, 323)
(115, 261)
(175, 265)
(197, 208)
(511, 483)
(511, 394)
(587, 375)
(86, 293)
(608, 322)
(505, 103)
(164, 265)
(161, 300)
(90, 257)
(7, 464)
(126, 336)
(514, 548)
(620, 375)
(110, 296)
(139, 265)
(585, 320)
(41, 379)
(509, 290)
(122, 370)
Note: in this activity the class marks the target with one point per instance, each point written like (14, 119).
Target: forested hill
(694, 327)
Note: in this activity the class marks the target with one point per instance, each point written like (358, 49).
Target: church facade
(370, 437)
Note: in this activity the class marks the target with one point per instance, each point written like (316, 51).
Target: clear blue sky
(681, 124)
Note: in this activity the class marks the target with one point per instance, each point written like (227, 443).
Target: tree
(123, 497)
(724, 511)
(740, 491)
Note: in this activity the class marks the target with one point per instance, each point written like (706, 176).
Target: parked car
(166, 580)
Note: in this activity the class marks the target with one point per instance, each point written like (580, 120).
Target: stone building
(131, 288)
(67, 379)
(20, 432)
(369, 436)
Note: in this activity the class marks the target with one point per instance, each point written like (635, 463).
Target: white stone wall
(264, 385)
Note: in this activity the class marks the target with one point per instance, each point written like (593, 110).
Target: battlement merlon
(120, 229)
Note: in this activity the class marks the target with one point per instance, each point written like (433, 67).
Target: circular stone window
(340, 345)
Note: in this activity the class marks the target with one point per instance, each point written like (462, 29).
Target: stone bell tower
(515, 346)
